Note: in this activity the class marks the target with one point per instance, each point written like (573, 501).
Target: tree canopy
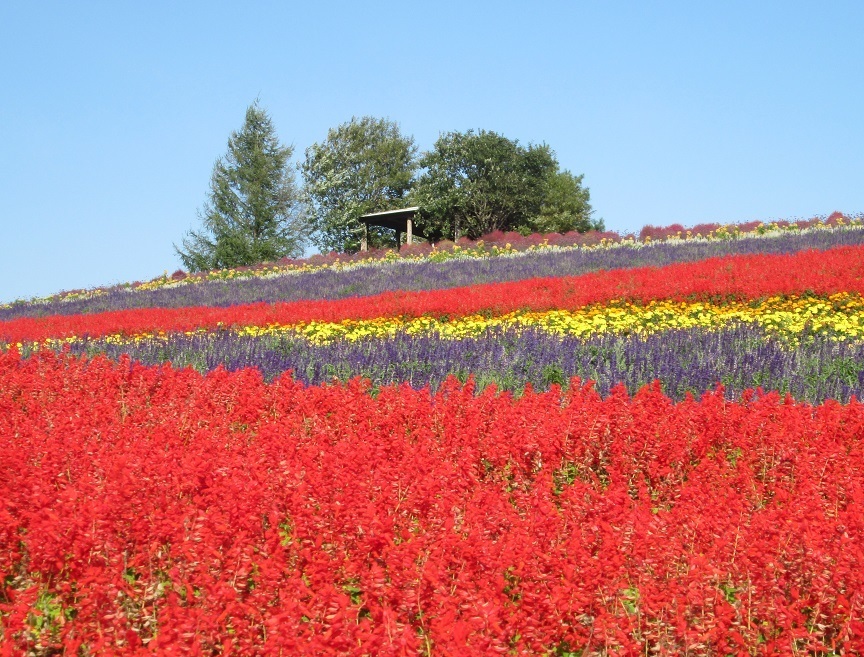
(470, 184)
(567, 206)
(365, 165)
(475, 183)
(252, 213)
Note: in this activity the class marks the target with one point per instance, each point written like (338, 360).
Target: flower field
(344, 277)
(629, 450)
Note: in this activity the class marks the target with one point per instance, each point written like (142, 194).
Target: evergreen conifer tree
(252, 213)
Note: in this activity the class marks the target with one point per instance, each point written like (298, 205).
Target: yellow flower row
(839, 316)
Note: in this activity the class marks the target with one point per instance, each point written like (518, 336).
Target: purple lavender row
(403, 275)
(685, 361)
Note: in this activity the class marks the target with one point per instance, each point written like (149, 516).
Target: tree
(252, 213)
(476, 183)
(365, 165)
(567, 206)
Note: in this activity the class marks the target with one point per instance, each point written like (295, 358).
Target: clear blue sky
(112, 114)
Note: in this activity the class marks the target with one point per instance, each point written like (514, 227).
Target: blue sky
(112, 114)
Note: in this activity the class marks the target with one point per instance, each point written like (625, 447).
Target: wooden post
(398, 239)
(409, 232)
(364, 239)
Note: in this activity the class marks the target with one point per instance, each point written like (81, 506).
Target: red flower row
(742, 277)
(161, 507)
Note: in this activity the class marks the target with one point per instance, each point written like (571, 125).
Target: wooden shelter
(402, 221)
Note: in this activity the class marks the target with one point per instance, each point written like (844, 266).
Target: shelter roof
(394, 219)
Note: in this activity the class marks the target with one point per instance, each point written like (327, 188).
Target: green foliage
(252, 213)
(476, 183)
(567, 206)
(365, 165)
(473, 183)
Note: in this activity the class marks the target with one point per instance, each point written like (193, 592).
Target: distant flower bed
(458, 267)
(490, 246)
(740, 277)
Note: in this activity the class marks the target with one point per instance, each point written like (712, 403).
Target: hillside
(590, 447)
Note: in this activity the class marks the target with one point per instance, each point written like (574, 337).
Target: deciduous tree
(475, 183)
(365, 165)
(478, 182)
(567, 206)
